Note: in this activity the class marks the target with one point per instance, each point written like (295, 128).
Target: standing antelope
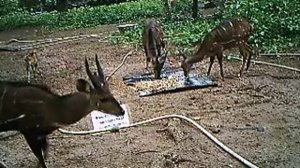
(35, 111)
(154, 46)
(228, 34)
(31, 61)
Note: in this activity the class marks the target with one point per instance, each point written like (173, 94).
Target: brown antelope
(228, 34)
(154, 46)
(31, 61)
(35, 111)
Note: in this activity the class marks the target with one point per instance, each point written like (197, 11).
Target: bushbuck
(31, 61)
(154, 46)
(228, 34)
(36, 111)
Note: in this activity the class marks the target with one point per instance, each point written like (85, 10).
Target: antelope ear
(83, 86)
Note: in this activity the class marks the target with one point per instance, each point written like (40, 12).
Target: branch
(271, 64)
(146, 151)
(45, 42)
(279, 54)
(120, 65)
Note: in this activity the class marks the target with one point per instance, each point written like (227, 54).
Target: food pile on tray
(157, 85)
(172, 81)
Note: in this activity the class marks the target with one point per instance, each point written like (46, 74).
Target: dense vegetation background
(276, 22)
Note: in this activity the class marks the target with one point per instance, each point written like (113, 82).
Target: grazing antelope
(154, 46)
(31, 61)
(228, 34)
(36, 111)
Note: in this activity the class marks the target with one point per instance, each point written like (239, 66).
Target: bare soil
(258, 116)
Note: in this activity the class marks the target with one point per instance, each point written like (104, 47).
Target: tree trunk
(195, 9)
(167, 8)
(62, 5)
(43, 4)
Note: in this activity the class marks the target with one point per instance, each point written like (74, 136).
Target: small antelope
(31, 61)
(228, 34)
(35, 111)
(154, 46)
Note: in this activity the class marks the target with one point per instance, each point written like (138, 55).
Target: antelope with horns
(35, 111)
(228, 34)
(154, 46)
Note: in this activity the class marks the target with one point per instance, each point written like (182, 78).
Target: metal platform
(194, 81)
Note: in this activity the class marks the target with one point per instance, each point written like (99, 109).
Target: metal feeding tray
(172, 80)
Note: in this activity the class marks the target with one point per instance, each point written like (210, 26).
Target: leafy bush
(276, 23)
(185, 34)
(8, 6)
(84, 16)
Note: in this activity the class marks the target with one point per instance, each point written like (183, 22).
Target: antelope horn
(89, 73)
(99, 69)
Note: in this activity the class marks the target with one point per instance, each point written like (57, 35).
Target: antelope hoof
(3, 165)
(147, 70)
(240, 75)
(186, 74)
(185, 70)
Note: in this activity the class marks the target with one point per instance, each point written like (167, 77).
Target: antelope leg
(212, 59)
(220, 59)
(37, 144)
(243, 52)
(2, 165)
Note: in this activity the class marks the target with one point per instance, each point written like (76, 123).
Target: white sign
(103, 121)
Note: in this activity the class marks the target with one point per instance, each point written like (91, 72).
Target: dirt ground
(257, 116)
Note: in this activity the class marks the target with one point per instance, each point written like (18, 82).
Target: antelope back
(22, 103)
(101, 97)
(153, 39)
(228, 33)
(154, 44)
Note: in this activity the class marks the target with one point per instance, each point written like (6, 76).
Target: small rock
(193, 98)
(248, 125)
(260, 129)
(215, 130)
(229, 165)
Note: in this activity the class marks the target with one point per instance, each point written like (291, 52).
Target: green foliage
(8, 6)
(182, 34)
(84, 16)
(276, 23)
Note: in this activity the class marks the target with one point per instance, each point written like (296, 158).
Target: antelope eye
(104, 99)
